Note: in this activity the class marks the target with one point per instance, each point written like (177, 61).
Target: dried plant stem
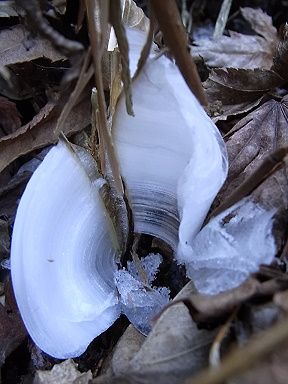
(97, 21)
(168, 17)
(222, 18)
(214, 355)
(83, 79)
(271, 164)
(147, 47)
(116, 21)
(242, 358)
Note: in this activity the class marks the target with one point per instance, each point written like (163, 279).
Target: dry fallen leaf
(9, 117)
(250, 141)
(12, 330)
(39, 132)
(237, 91)
(64, 373)
(242, 51)
(17, 45)
(174, 349)
(4, 239)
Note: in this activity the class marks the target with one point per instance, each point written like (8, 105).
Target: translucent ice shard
(139, 303)
(229, 248)
(150, 264)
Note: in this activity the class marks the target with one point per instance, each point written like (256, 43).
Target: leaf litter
(247, 89)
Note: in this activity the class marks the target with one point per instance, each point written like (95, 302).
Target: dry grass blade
(222, 18)
(83, 79)
(215, 350)
(147, 47)
(242, 358)
(97, 15)
(113, 196)
(168, 17)
(271, 164)
(116, 21)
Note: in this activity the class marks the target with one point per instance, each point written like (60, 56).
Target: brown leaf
(9, 117)
(174, 349)
(40, 131)
(4, 239)
(238, 90)
(128, 345)
(242, 51)
(250, 141)
(207, 309)
(281, 55)
(63, 373)
(12, 331)
(17, 45)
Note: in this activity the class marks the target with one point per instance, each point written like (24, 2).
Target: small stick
(214, 355)
(170, 23)
(222, 18)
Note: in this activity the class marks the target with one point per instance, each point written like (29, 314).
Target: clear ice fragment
(229, 248)
(149, 263)
(138, 302)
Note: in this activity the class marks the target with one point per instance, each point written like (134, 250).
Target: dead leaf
(12, 330)
(237, 91)
(127, 346)
(210, 309)
(242, 51)
(174, 349)
(4, 239)
(40, 131)
(281, 54)
(17, 45)
(9, 117)
(250, 141)
(64, 373)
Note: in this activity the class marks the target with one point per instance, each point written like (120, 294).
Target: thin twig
(214, 355)
(170, 23)
(97, 21)
(85, 75)
(222, 18)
